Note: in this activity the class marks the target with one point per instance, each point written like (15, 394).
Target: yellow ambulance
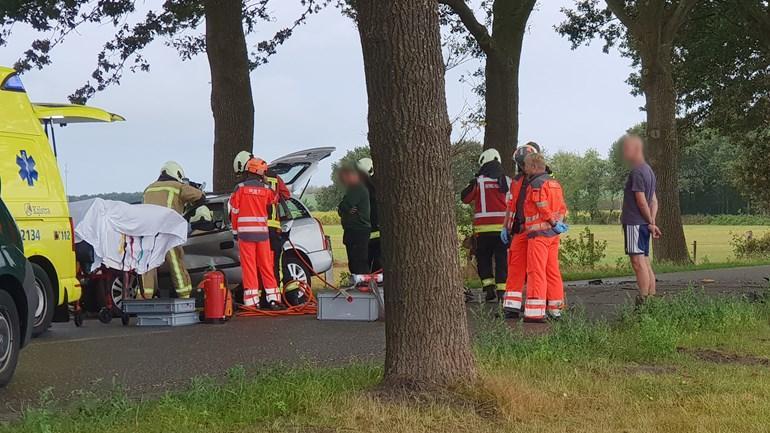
(34, 193)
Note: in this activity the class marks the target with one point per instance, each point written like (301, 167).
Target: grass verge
(688, 363)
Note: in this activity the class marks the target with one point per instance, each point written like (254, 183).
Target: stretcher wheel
(78, 319)
(124, 318)
(105, 316)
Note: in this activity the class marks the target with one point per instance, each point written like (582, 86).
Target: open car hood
(71, 113)
(297, 168)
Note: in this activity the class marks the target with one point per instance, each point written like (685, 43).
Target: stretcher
(116, 243)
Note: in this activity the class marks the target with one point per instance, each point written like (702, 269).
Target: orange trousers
(545, 287)
(256, 266)
(517, 272)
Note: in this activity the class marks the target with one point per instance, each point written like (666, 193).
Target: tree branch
(478, 30)
(677, 18)
(618, 7)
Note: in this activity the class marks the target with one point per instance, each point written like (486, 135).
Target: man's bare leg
(652, 284)
(642, 271)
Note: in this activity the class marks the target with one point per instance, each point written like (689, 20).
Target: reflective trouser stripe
(488, 282)
(250, 297)
(487, 228)
(534, 309)
(179, 275)
(273, 294)
(554, 308)
(512, 300)
(374, 235)
(500, 286)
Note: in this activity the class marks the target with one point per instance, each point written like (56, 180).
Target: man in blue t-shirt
(640, 208)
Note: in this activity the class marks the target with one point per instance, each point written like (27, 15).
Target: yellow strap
(374, 235)
(182, 287)
(488, 282)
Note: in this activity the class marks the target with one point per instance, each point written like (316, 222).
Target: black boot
(275, 306)
(510, 314)
(490, 294)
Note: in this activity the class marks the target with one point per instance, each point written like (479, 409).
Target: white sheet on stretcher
(127, 236)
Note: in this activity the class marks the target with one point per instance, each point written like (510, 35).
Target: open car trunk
(297, 168)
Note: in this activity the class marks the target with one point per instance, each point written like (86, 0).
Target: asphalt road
(97, 358)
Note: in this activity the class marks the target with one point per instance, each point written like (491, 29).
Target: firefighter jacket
(276, 183)
(489, 203)
(544, 206)
(171, 194)
(249, 205)
(516, 200)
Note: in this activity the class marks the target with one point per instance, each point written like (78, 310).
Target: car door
(296, 169)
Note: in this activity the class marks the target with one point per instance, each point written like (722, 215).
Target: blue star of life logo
(27, 170)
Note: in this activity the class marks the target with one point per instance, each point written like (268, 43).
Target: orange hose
(309, 307)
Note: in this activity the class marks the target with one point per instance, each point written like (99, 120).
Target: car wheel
(10, 337)
(295, 269)
(45, 301)
(116, 291)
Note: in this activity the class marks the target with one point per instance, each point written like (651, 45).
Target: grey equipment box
(158, 306)
(335, 306)
(168, 319)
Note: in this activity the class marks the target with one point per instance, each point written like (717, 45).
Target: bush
(583, 252)
(746, 246)
(328, 217)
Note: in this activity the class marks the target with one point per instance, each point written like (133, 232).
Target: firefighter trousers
(517, 272)
(276, 245)
(257, 266)
(490, 249)
(545, 288)
(180, 279)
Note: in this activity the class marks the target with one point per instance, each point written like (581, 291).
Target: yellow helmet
(202, 213)
(239, 163)
(366, 165)
(173, 169)
(489, 155)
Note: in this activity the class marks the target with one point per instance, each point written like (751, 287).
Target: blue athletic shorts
(637, 239)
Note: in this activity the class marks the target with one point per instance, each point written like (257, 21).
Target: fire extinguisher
(217, 299)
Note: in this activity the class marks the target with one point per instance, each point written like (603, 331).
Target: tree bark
(231, 100)
(501, 128)
(427, 338)
(663, 152)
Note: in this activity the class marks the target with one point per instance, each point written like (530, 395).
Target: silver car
(307, 250)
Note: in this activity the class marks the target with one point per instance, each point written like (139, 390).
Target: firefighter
(366, 167)
(248, 216)
(544, 213)
(513, 234)
(202, 221)
(171, 190)
(488, 191)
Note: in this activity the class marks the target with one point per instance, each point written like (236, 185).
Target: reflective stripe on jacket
(277, 185)
(489, 204)
(171, 194)
(544, 204)
(249, 210)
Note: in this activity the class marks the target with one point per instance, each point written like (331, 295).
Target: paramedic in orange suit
(249, 206)
(544, 213)
(513, 233)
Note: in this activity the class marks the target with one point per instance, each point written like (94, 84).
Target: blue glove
(504, 236)
(560, 227)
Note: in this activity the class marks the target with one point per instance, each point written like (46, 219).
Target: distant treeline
(128, 197)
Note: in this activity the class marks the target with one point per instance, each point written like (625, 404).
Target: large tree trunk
(663, 152)
(427, 339)
(231, 101)
(501, 128)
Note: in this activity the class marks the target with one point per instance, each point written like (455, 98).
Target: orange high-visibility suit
(543, 208)
(249, 205)
(517, 251)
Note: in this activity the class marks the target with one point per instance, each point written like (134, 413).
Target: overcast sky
(311, 94)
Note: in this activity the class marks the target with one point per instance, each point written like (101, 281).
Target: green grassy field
(713, 246)
(686, 363)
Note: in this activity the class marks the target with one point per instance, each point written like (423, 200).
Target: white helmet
(239, 163)
(202, 213)
(366, 165)
(488, 156)
(173, 169)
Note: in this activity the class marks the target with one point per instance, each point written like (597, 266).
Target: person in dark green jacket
(355, 216)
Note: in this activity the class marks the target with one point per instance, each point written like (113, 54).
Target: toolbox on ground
(158, 306)
(168, 319)
(335, 306)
